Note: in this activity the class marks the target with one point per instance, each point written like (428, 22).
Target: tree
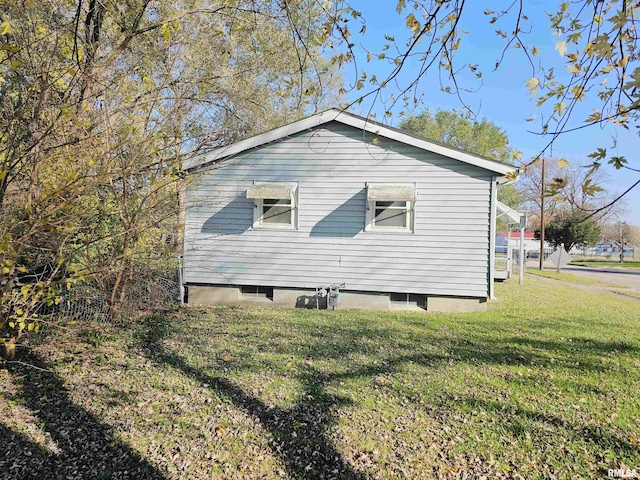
(597, 43)
(565, 189)
(480, 137)
(571, 228)
(622, 235)
(453, 128)
(101, 103)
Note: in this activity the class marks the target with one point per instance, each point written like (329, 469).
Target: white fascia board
(353, 121)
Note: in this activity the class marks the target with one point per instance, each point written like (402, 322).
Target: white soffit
(271, 190)
(401, 192)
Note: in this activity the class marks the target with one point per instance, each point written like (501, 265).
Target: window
(253, 291)
(274, 205)
(276, 212)
(395, 215)
(390, 207)
(407, 300)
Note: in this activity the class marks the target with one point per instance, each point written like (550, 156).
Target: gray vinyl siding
(448, 253)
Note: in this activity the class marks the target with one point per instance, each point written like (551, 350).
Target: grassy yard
(570, 278)
(606, 263)
(546, 384)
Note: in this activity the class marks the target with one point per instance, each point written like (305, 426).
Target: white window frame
(408, 208)
(258, 215)
(371, 214)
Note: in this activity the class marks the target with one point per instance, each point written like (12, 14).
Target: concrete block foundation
(306, 298)
(456, 304)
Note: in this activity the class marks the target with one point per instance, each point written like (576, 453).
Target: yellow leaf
(15, 64)
(532, 83)
(561, 47)
(220, 430)
(5, 27)
(562, 163)
(19, 311)
(12, 324)
(573, 68)
(376, 141)
(412, 23)
(227, 358)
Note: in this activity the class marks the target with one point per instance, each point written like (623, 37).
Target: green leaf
(617, 162)
(599, 154)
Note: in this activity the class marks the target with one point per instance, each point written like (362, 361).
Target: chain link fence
(147, 291)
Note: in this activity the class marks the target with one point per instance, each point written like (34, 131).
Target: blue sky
(502, 96)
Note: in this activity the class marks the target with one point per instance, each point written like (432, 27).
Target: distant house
(336, 199)
(530, 242)
(607, 249)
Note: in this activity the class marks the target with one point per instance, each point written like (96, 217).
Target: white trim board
(353, 121)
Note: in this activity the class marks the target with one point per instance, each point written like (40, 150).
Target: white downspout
(492, 236)
(522, 259)
(509, 250)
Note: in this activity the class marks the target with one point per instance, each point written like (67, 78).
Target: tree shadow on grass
(605, 440)
(87, 448)
(299, 433)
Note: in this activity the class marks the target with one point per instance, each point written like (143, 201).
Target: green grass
(606, 263)
(570, 278)
(628, 293)
(544, 384)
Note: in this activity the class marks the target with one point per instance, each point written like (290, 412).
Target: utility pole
(542, 187)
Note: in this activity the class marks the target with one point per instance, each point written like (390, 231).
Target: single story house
(395, 220)
(530, 241)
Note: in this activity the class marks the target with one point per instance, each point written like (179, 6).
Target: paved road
(629, 277)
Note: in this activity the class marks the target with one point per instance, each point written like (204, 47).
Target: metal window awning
(509, 215)
(271, 190)
(391, 192)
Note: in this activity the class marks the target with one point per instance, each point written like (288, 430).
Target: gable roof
(335, 115)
